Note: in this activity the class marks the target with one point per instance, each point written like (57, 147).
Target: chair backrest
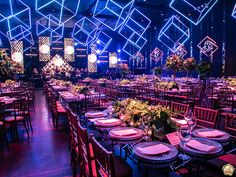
(206, 117)
(84, 149)
(73, 125)
(161, 102)
(230, 125)
(103, 159)
(179, 108)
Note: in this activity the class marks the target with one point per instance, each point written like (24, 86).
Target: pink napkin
(154, 149)
(128, 132)
(94, 114)
(108, 121)
(194, 144)
(211, 133)
(180, 121)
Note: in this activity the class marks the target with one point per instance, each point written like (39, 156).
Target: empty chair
(230, 125)
(179, 109)
(107, 165)
(205, 117)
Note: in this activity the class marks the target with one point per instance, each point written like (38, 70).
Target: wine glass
(184, 136)
(188, 115)
(192, 123)
(146, 123)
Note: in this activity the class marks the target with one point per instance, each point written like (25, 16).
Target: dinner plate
(99, 123)
(200, 153)
(223, 138)
(161, 158)
(113, 135)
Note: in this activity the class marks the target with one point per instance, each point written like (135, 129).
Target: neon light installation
(208, 46)
(156, 55)
(174, 33)
(197, 9)
(113, 8)
(84, 31)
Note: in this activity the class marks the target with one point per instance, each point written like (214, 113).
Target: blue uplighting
(118, 11)
(197, 9)
(172, 39)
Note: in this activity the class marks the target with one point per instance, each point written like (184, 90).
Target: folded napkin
(108, 121)
(180, 121)
(194, 144)
(94, 114)
(127, 132)
(211, 133)
(154, 149)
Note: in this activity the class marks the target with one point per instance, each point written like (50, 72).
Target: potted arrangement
(174, 63)
(133, 111)
(189, 65)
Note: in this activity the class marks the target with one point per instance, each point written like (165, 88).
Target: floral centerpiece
(80, 89)
(62, 83)
(88, 79)
(174, 63)
(142, 79)
(157, 71)
(132, 111)
(189, 65)
(203, 68)
(124, 82)
(102, 81)
(232, 82)
(9, 83)
(167, 85)
(123, 69)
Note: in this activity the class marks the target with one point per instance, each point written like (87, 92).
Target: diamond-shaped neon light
(197, 9)
(131, 48)
(61, 10)
(208, 46)
(138, 56)
(116, 9)
(13, 16)
(101, 41)
(84, 31)
(50, 27)
(174, 33)
(137, 24)
(181, 51)
(156, 55)
(234, 12)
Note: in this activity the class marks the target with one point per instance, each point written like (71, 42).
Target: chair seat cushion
(1, 123)
(9, 110)
(224, 159)
(61, 110)
(12, 118)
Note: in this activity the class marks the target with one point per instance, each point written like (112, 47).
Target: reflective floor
(45, 154)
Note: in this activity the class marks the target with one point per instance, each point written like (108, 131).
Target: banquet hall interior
(117, 88)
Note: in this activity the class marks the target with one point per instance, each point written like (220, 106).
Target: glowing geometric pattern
(136, 25)
(132, 48)
(117, 10)
(12, 16)
(197, 9)
(61, 10)
(102, 41)
(138, 57)
(208, 46)
(44, 48)
(49, 26)
(17, 56)
(156, 55)
(174, 33)
(92, 66)
(84, 31)
(181, 51)
(69, 49)
(234, 12)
